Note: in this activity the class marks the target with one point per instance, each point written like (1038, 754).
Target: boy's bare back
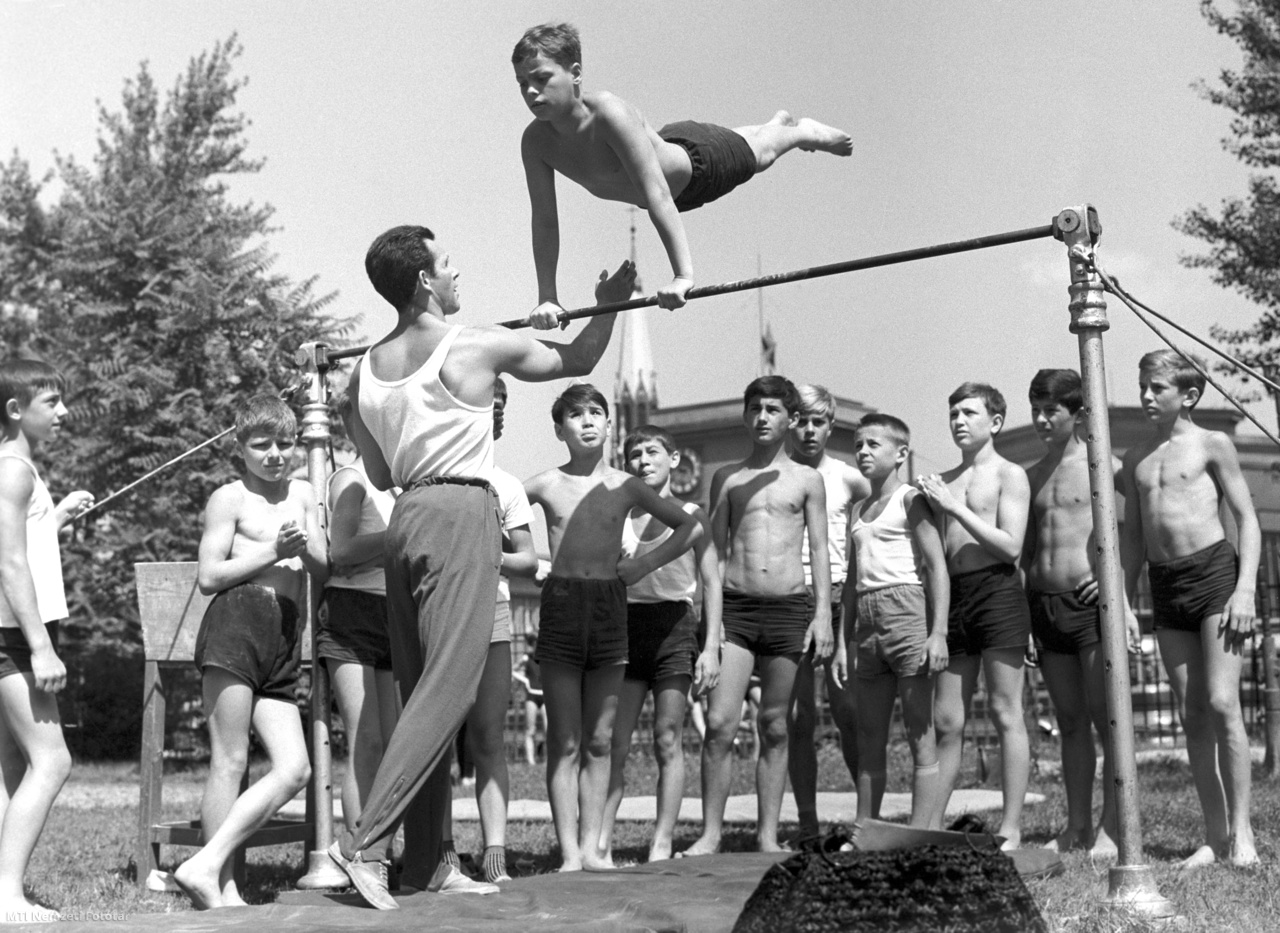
(984, 487)
(1178, 483)
(759, 515)
(241, 522)
(584, 518)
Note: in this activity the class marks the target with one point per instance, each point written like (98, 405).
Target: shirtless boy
(984, 502)
(762, 510)
(262, 536)
(1063, 595)
(1202, 594)
(606, 145)
(844, 486)
(582, 630)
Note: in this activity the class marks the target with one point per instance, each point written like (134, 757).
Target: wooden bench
(171, 606)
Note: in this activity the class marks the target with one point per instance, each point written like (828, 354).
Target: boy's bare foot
(1011, 841)
(1242, 853)
(1200, 858)
(21, 910)
(1069, 840)
(660, 851)
(575, 865)
(1104, 847)
(201, 886)
(703, 846)
(822, 138)
(773, 846)
(782, 118)
(597, 863)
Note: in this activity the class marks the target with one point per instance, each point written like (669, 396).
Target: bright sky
(968, 119)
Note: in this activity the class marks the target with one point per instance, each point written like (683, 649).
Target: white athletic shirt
(839, 502)
(421, 428)
(43, 556)
(375, 512)
(513, 510)
(886, 548)
(674, 582)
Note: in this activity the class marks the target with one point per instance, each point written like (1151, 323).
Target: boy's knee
(773, 730)
(666, 746)
(599, 745)
(229, 762)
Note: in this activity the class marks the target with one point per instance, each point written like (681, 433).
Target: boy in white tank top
(32, 602)
(662, 639)
(901, 629)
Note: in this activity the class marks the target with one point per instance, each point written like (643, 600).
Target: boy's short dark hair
(817, 400)
(1177, 366)
(23, 380)
(577, 396)
(896, 428)
(558, 41)
(1061, 386)
(649, 432)
(265, 414)
(990, 396)
(394, 260)
(779, 387)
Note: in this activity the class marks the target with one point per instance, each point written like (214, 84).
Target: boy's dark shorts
(662, 641)
(988, 611)
(15, 653)
(353, 627)
(721, 159)
(768, 626)
(1187, 590)
(582, 623)
(1063, 623)
(252, 632)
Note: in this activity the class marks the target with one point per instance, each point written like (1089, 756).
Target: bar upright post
(1131, 884)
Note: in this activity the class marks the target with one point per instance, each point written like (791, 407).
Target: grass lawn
(82, 864)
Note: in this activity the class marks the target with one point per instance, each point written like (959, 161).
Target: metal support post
(1271, 677)
(321, 871)
(1131, 884)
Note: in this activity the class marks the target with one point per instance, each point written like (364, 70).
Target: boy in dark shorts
(1202, 595)
(351, 636)
(262, 536)
(606, 145)
(1063, 594)
(662, 640)
(33, 752)
(984, 503)
(762, 509)
(582, 627)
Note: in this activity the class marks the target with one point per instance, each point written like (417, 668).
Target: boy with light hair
(1202, 591)
(844, 486)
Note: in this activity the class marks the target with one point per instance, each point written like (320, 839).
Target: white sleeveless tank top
(886, 548)
(838, 505)
(674, 582)
(375, 512)
(43, 555)
(421, 428)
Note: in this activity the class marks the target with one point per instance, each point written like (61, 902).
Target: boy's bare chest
(765, 495)
(1066, 488)
(260, 519)
(587, 160)
(978, 489)
(1170, 467)
(586, 499)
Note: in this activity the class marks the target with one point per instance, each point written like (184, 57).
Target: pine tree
(154, 292)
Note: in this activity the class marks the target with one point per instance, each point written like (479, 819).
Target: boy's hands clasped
(291, 540)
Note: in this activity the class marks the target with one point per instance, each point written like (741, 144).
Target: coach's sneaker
(369, 878)
(449, 880)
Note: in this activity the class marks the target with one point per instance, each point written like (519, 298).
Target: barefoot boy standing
(1202, 594)
(762, 509)
(582, 629)
(33, 753)
(985, 501)
(1063, 594)
(900, 624)
(844, 486)
(606, 145)
(662, 639)
(261, 537)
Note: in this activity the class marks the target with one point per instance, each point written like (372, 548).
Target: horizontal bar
(781, 278)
